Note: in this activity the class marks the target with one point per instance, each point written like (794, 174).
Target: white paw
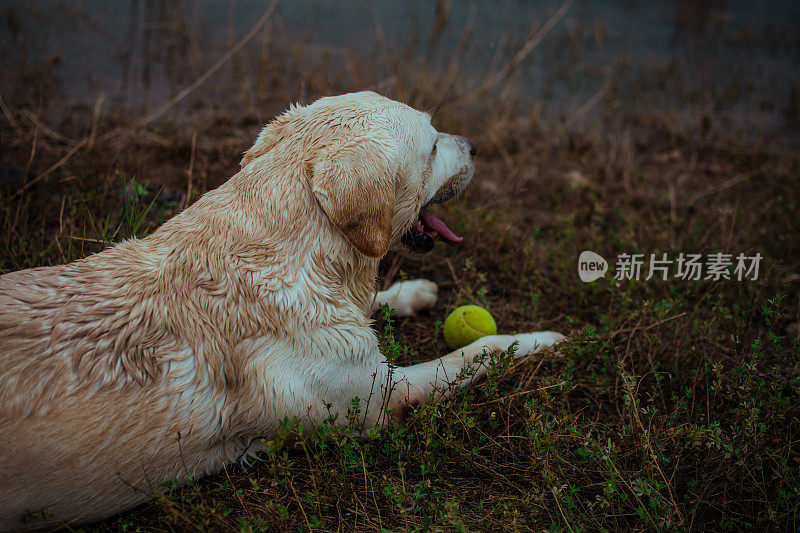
(530, 343)
(527, 343)
(408, 297)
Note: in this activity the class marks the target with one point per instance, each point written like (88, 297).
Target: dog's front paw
(408, 297)
(530, 343)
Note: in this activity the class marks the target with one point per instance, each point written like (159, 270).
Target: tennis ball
(467, 324)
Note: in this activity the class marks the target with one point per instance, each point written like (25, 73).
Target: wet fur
(169, 356)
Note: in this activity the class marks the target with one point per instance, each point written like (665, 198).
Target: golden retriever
(170, 356)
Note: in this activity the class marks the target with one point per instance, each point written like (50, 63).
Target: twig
(50, 132)
(545, 354)
(589, 104)
(498, 53)
(368, 484)
(163, 108)
(78, 146)
(454, 66)
(397, 260)
(520, 393)
(630, 391)
(239, 496)
(724, 186)
(215, 67)
(629, 330)
(98, 106)
(526, 49)
(61, 216)
(566, 521)
(190, 169)
(33, 147)
(654, 457)
(85, 239)
(453, 272)
(300, 503)
(7, 113)
(507, 159)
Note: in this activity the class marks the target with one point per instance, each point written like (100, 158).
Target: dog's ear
(270, 135)
(353, 181)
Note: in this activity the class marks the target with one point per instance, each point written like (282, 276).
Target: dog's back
(102, 345)
(131, 367)
(65, 363)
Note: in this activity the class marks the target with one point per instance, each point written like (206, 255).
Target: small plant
(131, 219)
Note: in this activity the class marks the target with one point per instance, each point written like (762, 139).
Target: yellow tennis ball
(467, 324)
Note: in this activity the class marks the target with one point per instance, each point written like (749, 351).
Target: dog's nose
(472, 148)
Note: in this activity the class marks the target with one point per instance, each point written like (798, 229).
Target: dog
(173, 355)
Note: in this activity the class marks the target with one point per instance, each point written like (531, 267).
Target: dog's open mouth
(425, 230)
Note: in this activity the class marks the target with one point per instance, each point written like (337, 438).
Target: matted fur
(169, 356)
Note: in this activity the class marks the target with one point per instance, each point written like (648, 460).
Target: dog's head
(374, 165)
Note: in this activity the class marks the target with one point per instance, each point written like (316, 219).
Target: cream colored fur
(169, 356)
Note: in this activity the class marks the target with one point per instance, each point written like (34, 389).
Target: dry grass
(674, 405)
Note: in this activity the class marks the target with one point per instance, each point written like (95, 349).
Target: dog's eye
(434, 149)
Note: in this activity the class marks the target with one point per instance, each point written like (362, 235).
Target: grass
(674, 405)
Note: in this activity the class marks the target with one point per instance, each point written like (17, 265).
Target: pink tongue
(429, 221)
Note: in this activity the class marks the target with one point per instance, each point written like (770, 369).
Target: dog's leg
(407, 297)
(414, 384)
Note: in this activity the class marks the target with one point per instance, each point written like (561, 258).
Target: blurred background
(732, 63)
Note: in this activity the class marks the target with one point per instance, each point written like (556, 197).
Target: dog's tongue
(430, 222)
